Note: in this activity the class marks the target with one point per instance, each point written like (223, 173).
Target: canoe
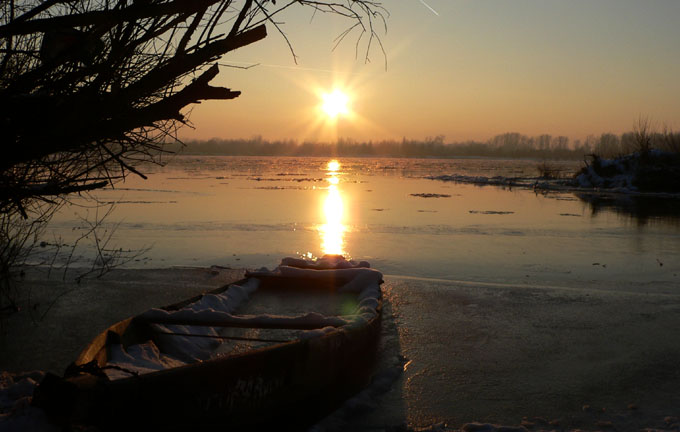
(280, 348)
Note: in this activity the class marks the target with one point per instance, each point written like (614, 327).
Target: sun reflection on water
(333, 167)
(333, 231)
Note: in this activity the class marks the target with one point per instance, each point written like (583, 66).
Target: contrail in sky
(429, 7)
(248, 65)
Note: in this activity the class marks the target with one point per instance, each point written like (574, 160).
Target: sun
(335, 103)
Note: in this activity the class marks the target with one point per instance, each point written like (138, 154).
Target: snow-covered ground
(454, 355)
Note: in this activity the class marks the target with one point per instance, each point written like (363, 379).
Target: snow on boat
(282, 347)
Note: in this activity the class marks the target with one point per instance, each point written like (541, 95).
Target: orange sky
(464, 69)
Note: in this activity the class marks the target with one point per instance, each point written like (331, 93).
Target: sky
(464, 69)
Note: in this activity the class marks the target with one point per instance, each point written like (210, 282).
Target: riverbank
(652, 175)
(545, 357)
(555, 358)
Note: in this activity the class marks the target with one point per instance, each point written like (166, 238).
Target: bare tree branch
(92, 89)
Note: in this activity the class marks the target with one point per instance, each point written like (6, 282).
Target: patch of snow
(208, 316)
(140, 358)
(16, 411)
(621, 179)
(173, 350)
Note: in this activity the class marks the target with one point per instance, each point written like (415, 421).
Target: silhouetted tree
(89, 89)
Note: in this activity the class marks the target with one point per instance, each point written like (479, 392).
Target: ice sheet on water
(431, 195)
(491, 212)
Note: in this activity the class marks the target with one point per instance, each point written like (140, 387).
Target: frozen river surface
(250, 212)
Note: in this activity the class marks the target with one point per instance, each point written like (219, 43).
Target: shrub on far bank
(547, 170)
(645, 171)
(647, 162)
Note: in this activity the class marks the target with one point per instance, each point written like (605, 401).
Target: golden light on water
(333, 166)
(333, 230)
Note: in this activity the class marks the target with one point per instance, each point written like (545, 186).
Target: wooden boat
(287, 371)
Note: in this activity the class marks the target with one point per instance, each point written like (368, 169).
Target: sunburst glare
(334, 105)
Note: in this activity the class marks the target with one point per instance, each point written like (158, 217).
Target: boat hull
(288, 386)
(293, 385)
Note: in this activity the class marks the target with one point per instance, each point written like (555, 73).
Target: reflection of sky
(251, 212)
(333, 230)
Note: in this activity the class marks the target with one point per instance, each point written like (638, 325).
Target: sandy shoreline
(471, 352)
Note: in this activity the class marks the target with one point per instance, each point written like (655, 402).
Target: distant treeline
(508, 145)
